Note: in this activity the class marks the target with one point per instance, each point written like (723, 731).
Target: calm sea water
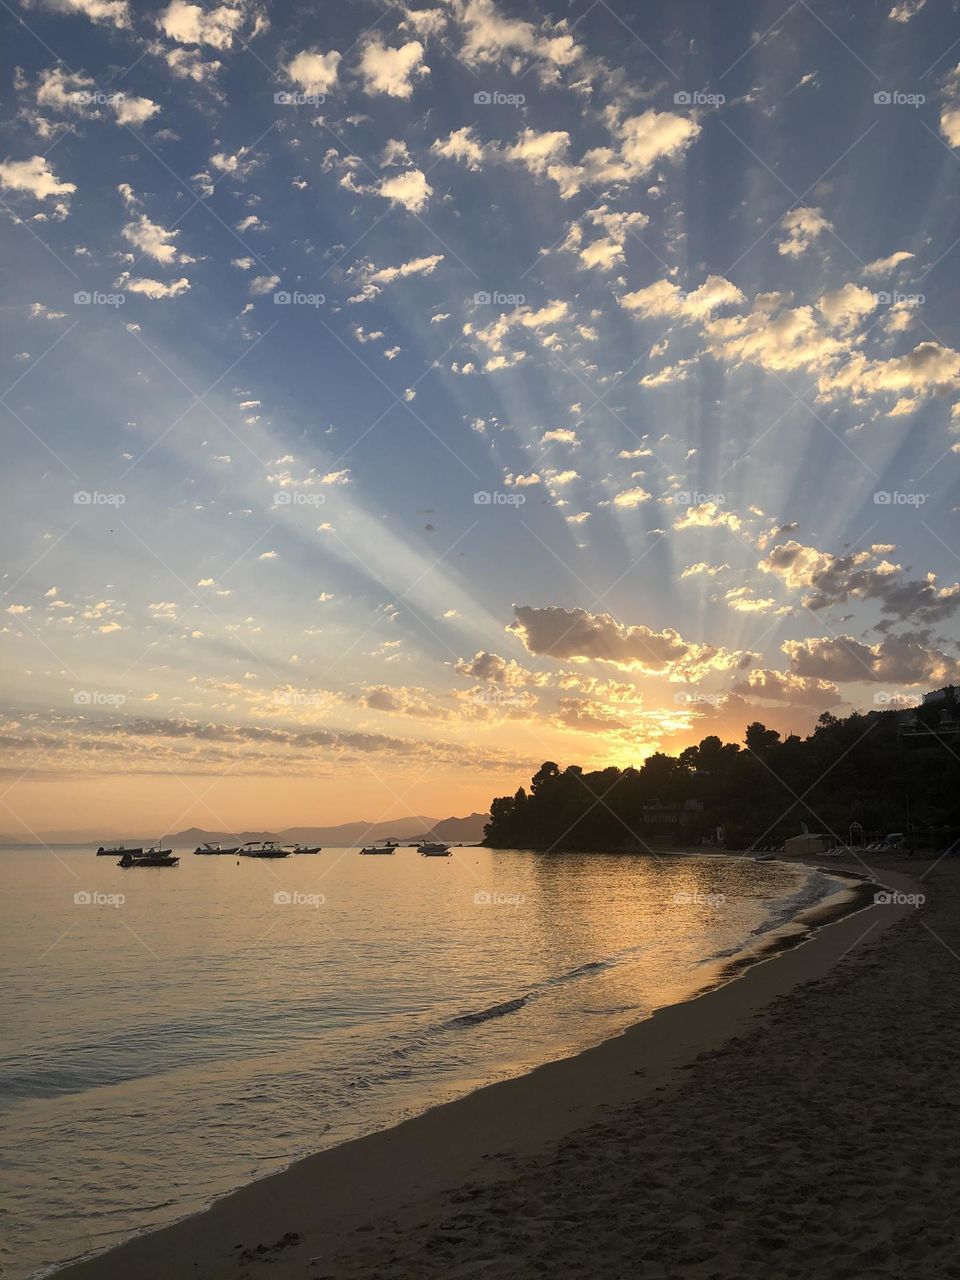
(222, 1018)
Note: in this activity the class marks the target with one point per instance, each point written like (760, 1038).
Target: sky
(395, 398)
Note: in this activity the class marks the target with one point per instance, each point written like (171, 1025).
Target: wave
(494, 1011)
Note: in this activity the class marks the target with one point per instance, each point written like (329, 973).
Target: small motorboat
(117, 850)
(216, 848)
(385, 846)
(152, 858)
(264, 849)
(431, 849)
(306, 848)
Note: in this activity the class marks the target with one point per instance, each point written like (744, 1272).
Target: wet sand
(796, 1121)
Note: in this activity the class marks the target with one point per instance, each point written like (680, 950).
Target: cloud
(113, 12)
(199, 24)
(133, 111)
(489, 38)
(882, 266)
(154, 241)
(261, 285)
(904, 10)
(664, 298)
(639, 143)
(906, 659)
(701, 567)
(391, 71)
(409, 189)
(802, 227)
(845, 307)
(785, 686)
(372, 279)
(928, 368)
(492, 669)
(606, 251)
(154, 289)
(34, 177)
(707, 515)
(578, 636)
(631, 498)
(560, 435)
(313, 71)
(864, 575)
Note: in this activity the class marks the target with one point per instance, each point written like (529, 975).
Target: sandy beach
(793, 1121)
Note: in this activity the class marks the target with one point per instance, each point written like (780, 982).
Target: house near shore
(936, 722)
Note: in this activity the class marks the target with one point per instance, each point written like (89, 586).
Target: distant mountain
(466, 830)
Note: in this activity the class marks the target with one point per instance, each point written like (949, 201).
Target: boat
(152, 858)
(384, 846)
(263, 849)
(117, 849)
(216, 848)
(431, 849)
(306, 848)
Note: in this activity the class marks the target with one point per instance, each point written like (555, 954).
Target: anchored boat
(263, 849)
(211, 849)
(384, 846)
(117, 850)
(432, 849)
(155, 857)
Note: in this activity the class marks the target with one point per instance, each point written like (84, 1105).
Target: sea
(172, 1034)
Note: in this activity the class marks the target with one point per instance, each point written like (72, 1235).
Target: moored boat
(117, 850)
(306, 848)
(433, 849)
(263, 849)
(152, 858)
(385, 846)
(212, 849)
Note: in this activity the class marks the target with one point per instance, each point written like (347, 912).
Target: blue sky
(284, 291)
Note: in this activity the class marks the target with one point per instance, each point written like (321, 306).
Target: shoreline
(299, 1219)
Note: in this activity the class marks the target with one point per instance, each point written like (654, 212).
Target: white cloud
(196, 24)
(391, 71)
(133, 111)
(904, 10)
(409, 189)
(34, 177)
(881, 266)
(154, 289)
(664, 298)
(114, 12)
(802, 226)
(261, 285)
(154, 241)
(313, 71)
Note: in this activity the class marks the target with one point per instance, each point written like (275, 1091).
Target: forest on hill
(865, 768)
